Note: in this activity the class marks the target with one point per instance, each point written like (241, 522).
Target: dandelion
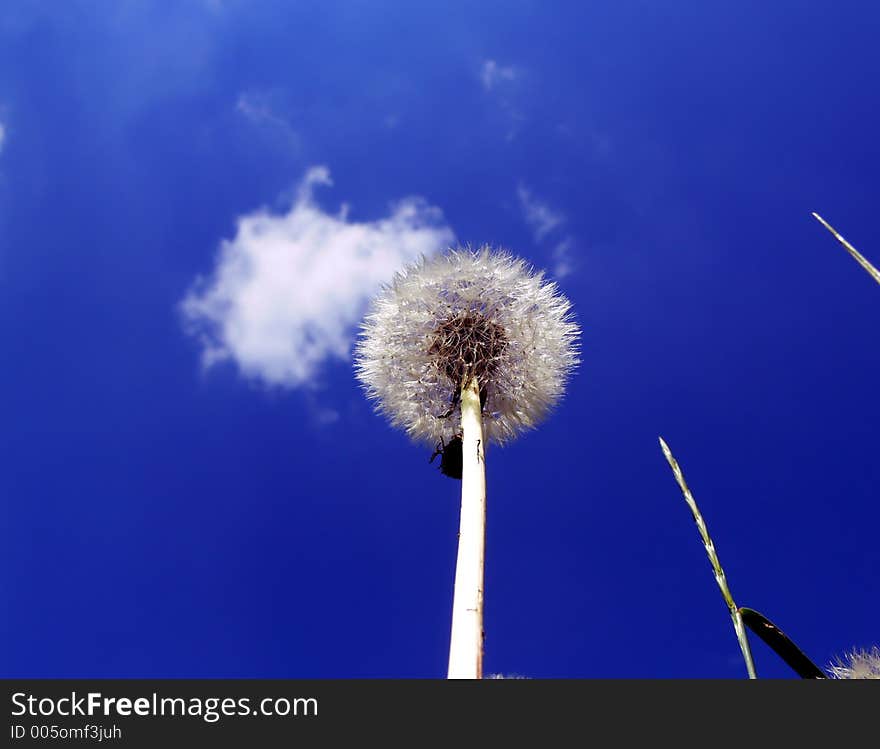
(859, 664)
(461, 349)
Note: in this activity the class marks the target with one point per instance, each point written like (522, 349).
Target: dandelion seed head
(859, 664)
(461, 314)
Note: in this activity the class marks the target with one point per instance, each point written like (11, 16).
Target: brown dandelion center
(468, 345)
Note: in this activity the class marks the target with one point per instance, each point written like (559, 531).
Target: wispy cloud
(545, 221)
(256, 107)
(2, 136)
(289, 289)
(492, 74)
(261, 108)
(538, 214)
(563, 262)
(502, 84)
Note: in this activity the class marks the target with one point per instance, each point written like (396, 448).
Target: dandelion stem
(466, 641)
(735, 614)
(872, 271)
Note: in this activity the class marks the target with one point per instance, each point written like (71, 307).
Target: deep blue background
(163, 522)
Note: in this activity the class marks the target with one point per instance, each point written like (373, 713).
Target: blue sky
(198, 198)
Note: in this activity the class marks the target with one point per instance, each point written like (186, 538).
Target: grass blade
(738, 626)
(872, 271)
(781, 644)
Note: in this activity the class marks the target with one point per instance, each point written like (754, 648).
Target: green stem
(720, 578)
(872, 271)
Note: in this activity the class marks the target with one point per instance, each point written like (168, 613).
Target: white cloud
(538, 214)
(255, 106)
(2, 135)
(502, 85)
(288, 290)
(544, 221)
(491, 74)
(261, 109)
(563, 262)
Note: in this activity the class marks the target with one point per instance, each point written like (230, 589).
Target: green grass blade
(872, 271)
(781, 644)
(720, 578)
